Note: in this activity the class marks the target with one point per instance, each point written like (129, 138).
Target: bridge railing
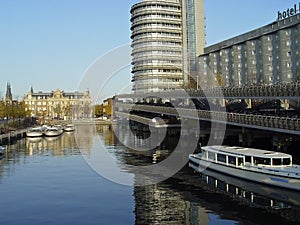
(280, 90)
(274, 122)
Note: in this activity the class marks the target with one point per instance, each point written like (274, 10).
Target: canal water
(57, 181)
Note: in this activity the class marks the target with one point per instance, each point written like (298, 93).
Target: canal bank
(12, 136)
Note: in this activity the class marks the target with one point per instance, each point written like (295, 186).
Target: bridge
(139, 111)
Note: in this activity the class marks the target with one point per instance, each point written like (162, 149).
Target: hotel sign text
(289, 12)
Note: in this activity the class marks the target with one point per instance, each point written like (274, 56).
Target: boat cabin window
(286, 161)
(221, 158)
(212, 155)
(248, 159)
(263, 161)
(281, 161)
(232, 160)
(276, 162)
(240, 161)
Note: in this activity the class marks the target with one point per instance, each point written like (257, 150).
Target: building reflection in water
(84, 135)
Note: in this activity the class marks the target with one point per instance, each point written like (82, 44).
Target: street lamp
(197, 82)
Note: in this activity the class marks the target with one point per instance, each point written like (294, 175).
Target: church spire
(8, 96)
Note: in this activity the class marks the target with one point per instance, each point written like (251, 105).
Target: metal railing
(275, 123)
(280, 90)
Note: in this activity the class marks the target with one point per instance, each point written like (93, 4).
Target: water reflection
(186, 198)
(46, 181)
(63, 145)
(256, 194)
(39, 148)
(193, 198)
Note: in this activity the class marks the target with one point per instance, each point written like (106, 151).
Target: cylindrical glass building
(157, 45)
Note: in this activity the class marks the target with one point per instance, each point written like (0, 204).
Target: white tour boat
(35, 132)
(267, 167)
(53, 131)
(69, 128)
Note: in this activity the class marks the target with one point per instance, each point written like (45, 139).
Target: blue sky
(50, 44)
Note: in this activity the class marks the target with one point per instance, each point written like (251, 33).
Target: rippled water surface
(48, 181)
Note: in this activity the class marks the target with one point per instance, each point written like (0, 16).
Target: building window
(270, 58)
(270, 68)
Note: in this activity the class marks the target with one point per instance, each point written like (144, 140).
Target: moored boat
(262, 166)
(35, 132)
(53, 131)
(69, 128)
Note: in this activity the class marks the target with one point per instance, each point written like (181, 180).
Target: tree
(68, 111)
(2, 110)
(98, 109)
(57, 110)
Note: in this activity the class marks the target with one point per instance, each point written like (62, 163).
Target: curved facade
(157, 45)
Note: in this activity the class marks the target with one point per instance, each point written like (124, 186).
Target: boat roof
(246, 151)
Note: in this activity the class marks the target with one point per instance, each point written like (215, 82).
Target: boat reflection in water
(255, 194)
(57, 146)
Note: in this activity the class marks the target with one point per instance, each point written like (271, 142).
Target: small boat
(53, 131)
(257, 165)
(69, 128)
(35, 132)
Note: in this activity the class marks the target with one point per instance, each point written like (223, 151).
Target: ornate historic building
(59, 104)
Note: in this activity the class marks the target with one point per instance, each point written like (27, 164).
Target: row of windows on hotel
(275, 57)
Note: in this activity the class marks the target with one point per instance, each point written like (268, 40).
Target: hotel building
(265, 56)
(59, 104)
(167, 36)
